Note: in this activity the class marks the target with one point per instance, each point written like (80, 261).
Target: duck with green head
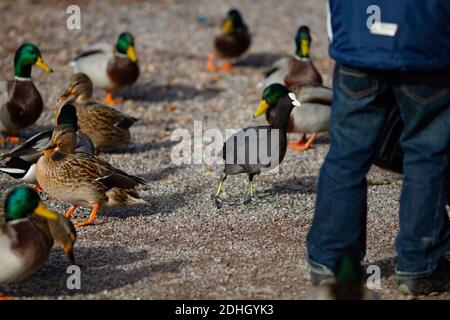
(20, 101)
(24, 246)
(297, 69)
(109, 67)
(234, 40)
(312, 117)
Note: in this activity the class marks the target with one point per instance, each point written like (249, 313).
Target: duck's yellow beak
(262, 108)
(43, 212)
(304, 47)
(227, 26)
(131, 54)
(41, 64)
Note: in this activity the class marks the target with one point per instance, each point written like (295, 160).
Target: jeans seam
(411, 94)
(360, 94)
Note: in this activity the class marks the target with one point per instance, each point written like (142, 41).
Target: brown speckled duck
(233, 42)
(20, 101)
(82, 179)
(106, 126)
(109, 67)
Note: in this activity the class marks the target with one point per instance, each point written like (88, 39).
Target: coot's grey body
(250, 150)
(243, 156)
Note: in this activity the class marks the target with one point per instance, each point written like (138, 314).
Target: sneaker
(438, 281)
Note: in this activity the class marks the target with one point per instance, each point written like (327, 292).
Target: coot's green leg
(250, 189)
(219, 188)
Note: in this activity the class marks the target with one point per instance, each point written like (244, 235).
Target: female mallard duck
(24, 246)
(109, 67)
(233, 42)
(312, 117)
(243, 152)
(21, 161)
(20, 101)
(298, 69)
(106, 126)
(82, 179)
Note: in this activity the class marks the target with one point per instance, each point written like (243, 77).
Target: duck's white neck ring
(121, 55)
(301, 58)
(21, 78)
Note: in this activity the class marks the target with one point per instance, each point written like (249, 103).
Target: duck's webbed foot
(301, 145)
(110, 100)
(91, 219)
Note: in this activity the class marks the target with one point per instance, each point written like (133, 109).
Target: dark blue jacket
(421, 42)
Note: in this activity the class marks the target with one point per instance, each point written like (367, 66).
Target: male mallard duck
(298, 69)
(24, 247)
(20, 101)
(348, 283)
(109, 67)
(312, 117)
(82, 179)
(234, 41)
(256, 149)
(21, 161)
(106, 126)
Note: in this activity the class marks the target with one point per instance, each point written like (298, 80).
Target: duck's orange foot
(69, 213)
(6, 298)
(227, 67)
(91, 219)
(38, 188)
(110, 100)
(10, 139)
(301, 145)
(88, 222)
(210, 64)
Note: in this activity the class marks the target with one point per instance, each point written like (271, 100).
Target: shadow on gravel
(161, 174)
(257, 60)
(102, 268)
(156, 93)
(160, 204)
(141, 147)
(302, 185)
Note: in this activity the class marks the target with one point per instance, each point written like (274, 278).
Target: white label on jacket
(384, 28)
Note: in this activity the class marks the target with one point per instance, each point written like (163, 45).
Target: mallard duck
(24, 246)
(233, 42)
(348, 284)
(251, 149)
(82, 179)
(312, 117)
(109, 67)
(20, 101)
(20, 163)
(296, 70)
(106, 126)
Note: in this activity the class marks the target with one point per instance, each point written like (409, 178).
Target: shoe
(438, 281)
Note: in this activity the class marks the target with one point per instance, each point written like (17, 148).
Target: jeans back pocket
(356, 83)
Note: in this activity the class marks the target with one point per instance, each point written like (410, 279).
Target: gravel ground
(181, 247)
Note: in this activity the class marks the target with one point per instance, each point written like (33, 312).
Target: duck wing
(310, 93)
(108, 175)
(31, 149)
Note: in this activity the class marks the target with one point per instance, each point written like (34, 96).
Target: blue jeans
(361, 103)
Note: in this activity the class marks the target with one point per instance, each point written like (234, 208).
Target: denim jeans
(361, 102)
